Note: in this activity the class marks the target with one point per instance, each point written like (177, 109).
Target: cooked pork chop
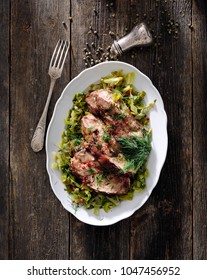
(103, 145)
(110, 184)
(91, 127)
(100, 150)
(85, 166)
(115, 164)
(76, 145)
(113, 113)
(98, 135)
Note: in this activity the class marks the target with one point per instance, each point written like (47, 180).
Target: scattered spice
(112, 33)
(94, 54)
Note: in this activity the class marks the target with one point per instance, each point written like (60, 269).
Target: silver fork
(55, 71)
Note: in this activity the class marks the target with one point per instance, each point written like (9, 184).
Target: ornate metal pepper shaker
(139, 36)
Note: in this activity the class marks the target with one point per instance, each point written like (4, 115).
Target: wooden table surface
(173, 222)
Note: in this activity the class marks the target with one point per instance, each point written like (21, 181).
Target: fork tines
(59, 54)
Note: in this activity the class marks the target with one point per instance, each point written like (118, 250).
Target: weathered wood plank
(199, 53)
(174, 216)
(162, 228)
(39, 223)
(88, 242)
(4, 129)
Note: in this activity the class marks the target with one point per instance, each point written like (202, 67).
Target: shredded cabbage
(121, 86)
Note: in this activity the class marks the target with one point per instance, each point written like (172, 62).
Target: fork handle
(37, 142)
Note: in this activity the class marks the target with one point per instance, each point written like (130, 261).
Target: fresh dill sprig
(135, 150)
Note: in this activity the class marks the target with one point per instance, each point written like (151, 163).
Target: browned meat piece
(115, 164)
(75, 146)
(110, 184)
(98, 135)
(99, 101)
(103, 145)
(92, 127)
(84, 165)
(117, 114)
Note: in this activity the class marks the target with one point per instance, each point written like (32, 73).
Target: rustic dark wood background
(173, 222)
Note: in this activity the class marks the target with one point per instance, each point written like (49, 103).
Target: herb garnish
(99, 179)
(119, 116)
(91, 170)
(77, 142)
(135, 150)
(106, 137)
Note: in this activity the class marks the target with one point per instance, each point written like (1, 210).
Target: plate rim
(119, 65)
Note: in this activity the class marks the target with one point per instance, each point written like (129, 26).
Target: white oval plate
(158, 122)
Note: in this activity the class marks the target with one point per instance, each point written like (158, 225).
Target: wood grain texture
(40, 225)
(162, 228)
(172, 224)
(4, 129)
(199, 52)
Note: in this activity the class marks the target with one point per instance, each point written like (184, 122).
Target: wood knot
(27, 27)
